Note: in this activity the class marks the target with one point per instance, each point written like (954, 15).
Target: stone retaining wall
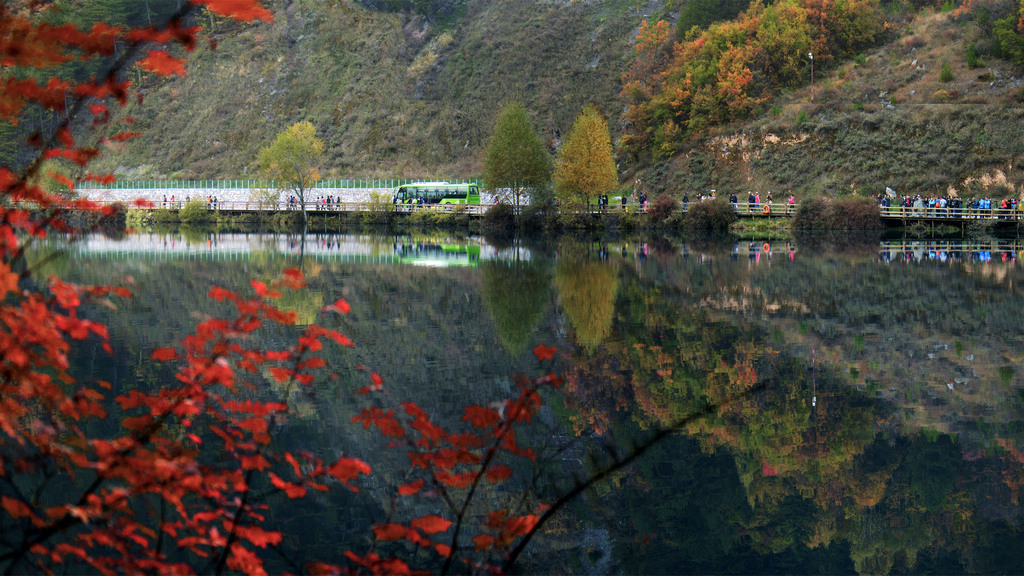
(237, 197)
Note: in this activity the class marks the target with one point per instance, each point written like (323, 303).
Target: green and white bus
(437, 193)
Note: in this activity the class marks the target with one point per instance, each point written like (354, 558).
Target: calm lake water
(859, 409)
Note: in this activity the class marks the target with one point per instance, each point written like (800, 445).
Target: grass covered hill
(390, 93)
(411, 88)
(922, 113)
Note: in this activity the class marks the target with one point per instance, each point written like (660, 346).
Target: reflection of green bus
(437, 193)
(439, 255)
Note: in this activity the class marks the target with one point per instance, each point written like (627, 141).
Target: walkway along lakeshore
(238, 200)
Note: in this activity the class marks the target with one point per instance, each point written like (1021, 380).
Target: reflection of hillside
(832, 477)
(841, 463)
(931, 328)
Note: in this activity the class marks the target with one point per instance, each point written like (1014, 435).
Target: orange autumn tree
(174, 478)
(727, 71)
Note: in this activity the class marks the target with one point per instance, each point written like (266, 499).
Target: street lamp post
(811, 56)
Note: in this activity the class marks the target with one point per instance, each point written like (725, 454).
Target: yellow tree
(292, 161)
(585, 165)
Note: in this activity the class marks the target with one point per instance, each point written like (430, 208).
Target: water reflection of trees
(517, 295)
(586, 291)
(860, 479)
(812, 473)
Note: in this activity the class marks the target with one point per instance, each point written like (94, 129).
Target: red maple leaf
(245, 10)
(431, 524)
(161, 63)
(347, 469)
(389, 532)
(481, 417)
(543, 352)
(411, 488)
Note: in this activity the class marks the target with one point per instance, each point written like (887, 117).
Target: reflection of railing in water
(952, 250)
(320, 247)
(471, 251)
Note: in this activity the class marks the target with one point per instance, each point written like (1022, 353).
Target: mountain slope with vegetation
(922, 113)
(921, 97)
(391, 94)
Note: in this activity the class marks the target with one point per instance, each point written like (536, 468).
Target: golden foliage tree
(292, 160)
(585, 165)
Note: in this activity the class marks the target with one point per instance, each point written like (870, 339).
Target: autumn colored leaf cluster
(173, 476)
(154, 459)
(32, 47)
(723, 73)
(448, 467)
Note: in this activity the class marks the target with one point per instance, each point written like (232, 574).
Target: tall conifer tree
(516, 162)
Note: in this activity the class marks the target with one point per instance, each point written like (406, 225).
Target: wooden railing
(742, 209)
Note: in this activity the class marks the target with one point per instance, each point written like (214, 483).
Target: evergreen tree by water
(516, 161)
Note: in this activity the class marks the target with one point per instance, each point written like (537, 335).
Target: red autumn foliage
(188, 464)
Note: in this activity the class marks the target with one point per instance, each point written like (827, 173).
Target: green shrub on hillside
(973, 60)
(947, 73)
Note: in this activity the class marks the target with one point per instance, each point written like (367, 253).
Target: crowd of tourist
(328, 203)
(951, 206)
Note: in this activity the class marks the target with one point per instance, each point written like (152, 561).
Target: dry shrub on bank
(850, 213)
(500, 217)
(715, 214)
(662, 208)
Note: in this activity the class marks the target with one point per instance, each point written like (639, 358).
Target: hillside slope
(393, 95)
(390, 94)
(886, 119)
